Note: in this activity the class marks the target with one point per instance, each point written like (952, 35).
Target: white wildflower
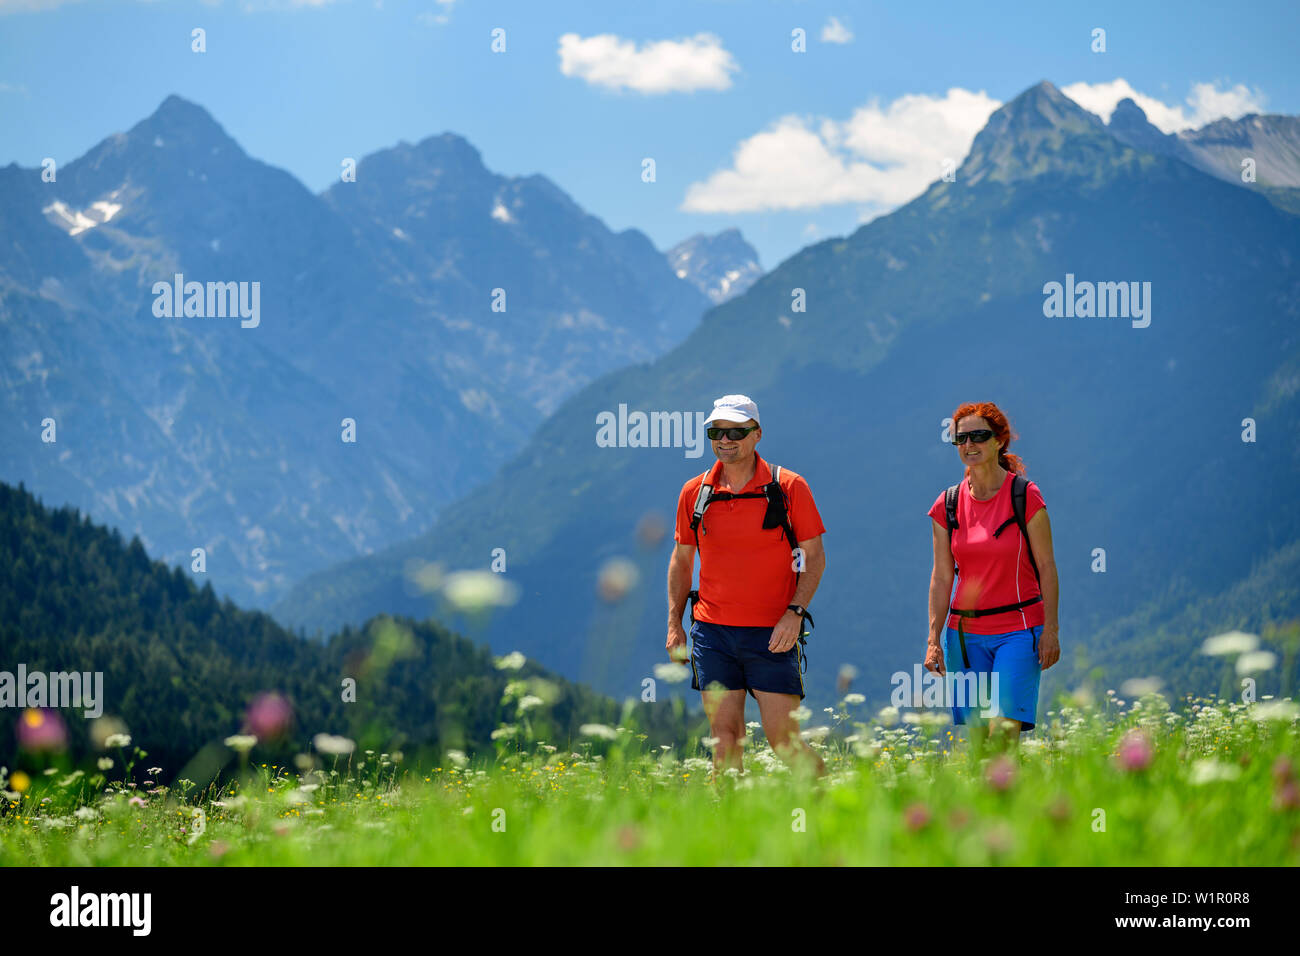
(1141, 686)
(511, 662)
(1234, 642)
(598, 730)
(1283, 710)
(672, 672)
(330, 744)
(478, 590)
(1253, 662)
(1209, 771)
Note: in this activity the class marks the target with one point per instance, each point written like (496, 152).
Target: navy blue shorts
(738, 659)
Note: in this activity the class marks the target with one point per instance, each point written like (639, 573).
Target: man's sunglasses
(735, 434)
(979, 436)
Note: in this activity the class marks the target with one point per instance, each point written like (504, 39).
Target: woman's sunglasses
(979, 436)
(735, 434)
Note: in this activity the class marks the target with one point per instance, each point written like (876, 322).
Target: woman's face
(970, 452)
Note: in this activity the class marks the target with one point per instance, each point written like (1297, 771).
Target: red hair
(1001, 431)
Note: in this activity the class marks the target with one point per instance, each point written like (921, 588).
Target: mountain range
(424, 306)
(1158, 434)
(721, 266)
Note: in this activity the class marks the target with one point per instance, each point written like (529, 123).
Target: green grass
(1220, 789)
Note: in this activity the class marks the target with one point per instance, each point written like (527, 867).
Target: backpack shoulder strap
(950, 515)
(701, 502)
(778, 514)
(950, 507)
(1019, 492)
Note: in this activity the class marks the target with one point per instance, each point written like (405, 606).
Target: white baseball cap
(734, 408)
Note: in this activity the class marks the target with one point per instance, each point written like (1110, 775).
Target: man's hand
(676, 644)
(934, 658)
(1049, 647)
(785, 633)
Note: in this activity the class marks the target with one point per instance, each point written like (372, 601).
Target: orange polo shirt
(746, 573)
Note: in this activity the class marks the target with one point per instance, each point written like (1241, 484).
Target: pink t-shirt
(992, 571)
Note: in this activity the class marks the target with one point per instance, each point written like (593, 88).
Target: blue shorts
(738, 659)
(1006, 672)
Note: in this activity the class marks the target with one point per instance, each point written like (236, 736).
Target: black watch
(797, 609)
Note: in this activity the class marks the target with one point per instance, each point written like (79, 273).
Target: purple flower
(1135, 751)
(41, 730)
(1000, 773)
(1060, 809)
(1287, 796)
(916, 817)
(269, 716)
(1283, 768)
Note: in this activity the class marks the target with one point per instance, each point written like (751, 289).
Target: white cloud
(666, 66)
(267, 6)
(1205, 104)
(881, 156)
(836, 32)
(431, 19)
(30, 6)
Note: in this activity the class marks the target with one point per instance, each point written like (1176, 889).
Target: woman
(1001, 625)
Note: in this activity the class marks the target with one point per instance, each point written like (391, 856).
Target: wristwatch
(797, 609)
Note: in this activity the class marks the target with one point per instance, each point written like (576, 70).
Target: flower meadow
(1100, 782)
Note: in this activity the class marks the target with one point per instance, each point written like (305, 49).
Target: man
(752, 603)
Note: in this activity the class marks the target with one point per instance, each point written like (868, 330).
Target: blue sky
(790, 147)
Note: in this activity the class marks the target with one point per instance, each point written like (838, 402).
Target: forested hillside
(181, 668)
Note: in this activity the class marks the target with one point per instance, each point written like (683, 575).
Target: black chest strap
(777, 515)
(1019, 493)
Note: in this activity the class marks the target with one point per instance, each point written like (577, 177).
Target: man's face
(728, 450)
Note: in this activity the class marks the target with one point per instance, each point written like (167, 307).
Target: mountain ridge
(195, 432)
(966, 262)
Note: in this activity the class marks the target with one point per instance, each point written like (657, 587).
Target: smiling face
(970, 452)
(729, 451)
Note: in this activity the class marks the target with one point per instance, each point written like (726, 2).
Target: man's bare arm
(681, 567)
(814, 558)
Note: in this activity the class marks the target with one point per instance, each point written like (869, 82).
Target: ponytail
(1011, 463)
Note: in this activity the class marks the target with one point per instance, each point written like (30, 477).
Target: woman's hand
(934, 658)
(1049, 647)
